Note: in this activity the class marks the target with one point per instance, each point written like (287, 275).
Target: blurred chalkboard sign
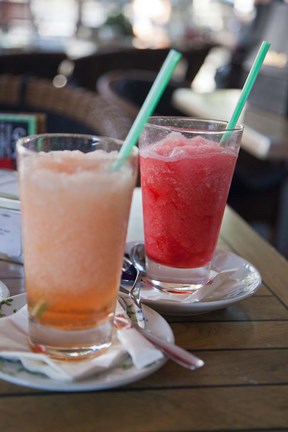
(12, 127)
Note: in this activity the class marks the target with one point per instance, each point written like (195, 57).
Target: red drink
(185, 184)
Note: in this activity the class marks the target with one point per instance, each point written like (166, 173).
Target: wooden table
(242, 387)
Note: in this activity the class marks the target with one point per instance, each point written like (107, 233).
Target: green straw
(250, 80)
(149, 105)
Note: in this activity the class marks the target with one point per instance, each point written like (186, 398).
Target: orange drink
(75, 211)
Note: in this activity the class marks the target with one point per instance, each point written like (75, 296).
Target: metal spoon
(137, 256)
(169, 349)
(131, 277)
(132, 272)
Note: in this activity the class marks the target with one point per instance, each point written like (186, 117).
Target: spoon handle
(172, 351)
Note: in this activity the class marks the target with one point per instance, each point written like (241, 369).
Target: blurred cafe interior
(87, 65)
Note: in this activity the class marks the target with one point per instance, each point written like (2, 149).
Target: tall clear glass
(75, 210)
(186, 168)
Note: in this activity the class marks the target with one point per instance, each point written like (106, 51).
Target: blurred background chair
(67, 109)
(129, 88)
(88, 69)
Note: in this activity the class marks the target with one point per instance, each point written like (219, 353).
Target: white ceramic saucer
(243, 283)
(123, 374)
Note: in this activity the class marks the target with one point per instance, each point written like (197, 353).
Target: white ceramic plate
(124, 374)
(246, 281)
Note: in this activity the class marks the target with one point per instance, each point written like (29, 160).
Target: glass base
(176, 280)
(70, 344)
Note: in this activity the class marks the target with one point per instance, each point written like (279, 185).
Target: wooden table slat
(227, 408)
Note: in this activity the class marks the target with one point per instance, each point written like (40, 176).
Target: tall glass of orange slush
(75, 210)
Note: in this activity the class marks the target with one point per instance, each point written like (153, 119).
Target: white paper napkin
(14, 346)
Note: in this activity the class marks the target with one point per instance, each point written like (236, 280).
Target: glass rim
(187, 129)
(29, 138)
(22, 149)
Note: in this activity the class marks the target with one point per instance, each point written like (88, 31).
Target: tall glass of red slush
(186, 168)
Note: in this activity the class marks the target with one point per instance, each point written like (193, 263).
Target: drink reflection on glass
(186, 168)
(75, 210)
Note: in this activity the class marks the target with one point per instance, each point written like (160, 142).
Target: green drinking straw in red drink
(186, 171)
(250, 80)
(149, 105)
(160, 85)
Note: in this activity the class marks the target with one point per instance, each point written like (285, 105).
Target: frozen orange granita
(75, 212)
